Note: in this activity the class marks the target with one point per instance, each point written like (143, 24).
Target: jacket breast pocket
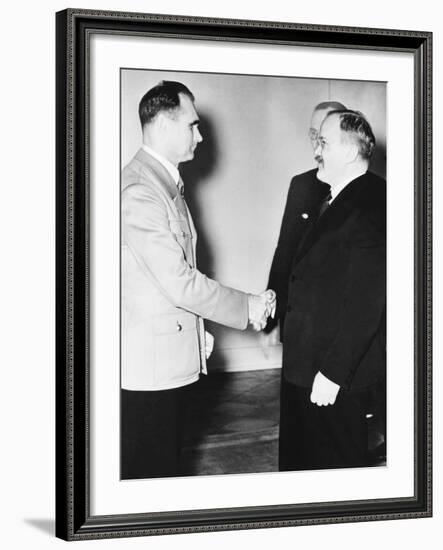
(180, 229)
(177, 355)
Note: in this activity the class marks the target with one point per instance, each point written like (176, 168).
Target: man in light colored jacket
(164, 296)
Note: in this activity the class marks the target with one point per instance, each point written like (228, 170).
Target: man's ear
(162, 121)
(352, 153)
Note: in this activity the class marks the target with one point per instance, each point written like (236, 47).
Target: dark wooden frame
(73, 518)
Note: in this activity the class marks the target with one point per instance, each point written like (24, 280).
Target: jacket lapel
(337, 213)
(161, 178)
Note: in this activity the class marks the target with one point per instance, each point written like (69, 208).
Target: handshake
(261, 306)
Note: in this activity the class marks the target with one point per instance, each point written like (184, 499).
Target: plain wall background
(255, 139)
(27, 277)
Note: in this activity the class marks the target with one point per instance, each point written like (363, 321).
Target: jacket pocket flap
(180, 227)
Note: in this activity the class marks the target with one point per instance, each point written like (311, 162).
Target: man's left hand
(324, 391)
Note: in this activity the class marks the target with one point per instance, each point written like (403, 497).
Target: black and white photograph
(253, 274)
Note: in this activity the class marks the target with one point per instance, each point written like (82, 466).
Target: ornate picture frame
(75, 519)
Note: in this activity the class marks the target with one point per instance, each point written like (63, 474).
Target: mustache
(318, 159)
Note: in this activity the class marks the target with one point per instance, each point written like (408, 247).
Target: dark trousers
(152, 431)
(333, 436)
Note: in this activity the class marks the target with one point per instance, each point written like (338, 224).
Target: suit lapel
(162, 179)
(337, 213)
(309, 237)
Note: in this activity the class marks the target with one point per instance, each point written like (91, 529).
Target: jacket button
(179, 327)
(289, 309)
(292, 278)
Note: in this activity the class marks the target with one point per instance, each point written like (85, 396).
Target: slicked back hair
(164, 97)
(334, 105)
(357, 128)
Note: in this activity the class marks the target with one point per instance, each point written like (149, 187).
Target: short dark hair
(355, 125)
(162, 97)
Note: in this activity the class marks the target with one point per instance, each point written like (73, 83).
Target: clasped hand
(324, 391)
(261, 306)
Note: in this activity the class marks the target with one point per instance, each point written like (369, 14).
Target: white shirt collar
(337, 189)
(172, 170)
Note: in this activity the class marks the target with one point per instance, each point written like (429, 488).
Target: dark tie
(324, 205)
(181, 188)
(181, 198)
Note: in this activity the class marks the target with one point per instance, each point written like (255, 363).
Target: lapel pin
(305, 216)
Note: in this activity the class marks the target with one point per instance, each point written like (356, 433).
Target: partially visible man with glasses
(305, 197)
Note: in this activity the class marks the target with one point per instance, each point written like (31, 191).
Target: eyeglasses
(313, 134)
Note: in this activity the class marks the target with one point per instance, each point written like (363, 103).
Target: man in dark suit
(334, 336)
(306, 192)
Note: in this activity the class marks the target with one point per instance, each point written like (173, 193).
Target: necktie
(181, 198)
(324, 205)
(181, 188)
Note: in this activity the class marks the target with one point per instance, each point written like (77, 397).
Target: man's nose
(317, 149)
(197, 136)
